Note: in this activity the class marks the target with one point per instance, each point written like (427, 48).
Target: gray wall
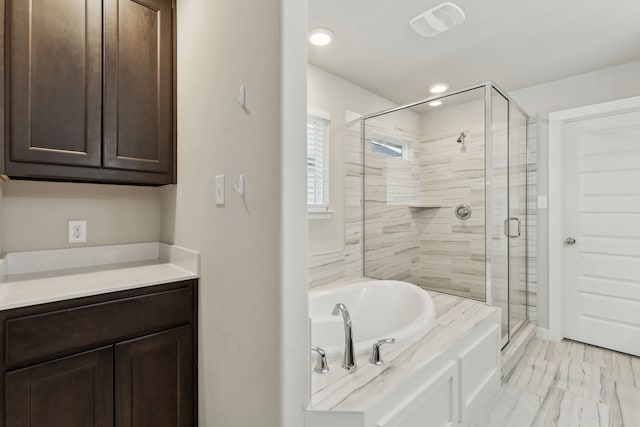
(253, 326)
(35, 214)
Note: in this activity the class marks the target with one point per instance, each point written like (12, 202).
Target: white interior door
(601, 208)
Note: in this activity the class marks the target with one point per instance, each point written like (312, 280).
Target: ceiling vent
(438, 19)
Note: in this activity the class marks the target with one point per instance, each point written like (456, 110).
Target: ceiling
(515, 43)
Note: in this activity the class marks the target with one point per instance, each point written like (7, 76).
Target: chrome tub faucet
(349, 358)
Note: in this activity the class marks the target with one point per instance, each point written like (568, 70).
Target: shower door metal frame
(488, 86)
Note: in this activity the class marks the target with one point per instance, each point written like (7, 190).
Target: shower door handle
(507, 227)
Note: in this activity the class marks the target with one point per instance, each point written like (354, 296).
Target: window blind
(317, 162)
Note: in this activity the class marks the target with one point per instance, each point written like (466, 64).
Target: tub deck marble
(339, 390)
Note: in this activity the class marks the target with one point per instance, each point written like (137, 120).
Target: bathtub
(379, 309)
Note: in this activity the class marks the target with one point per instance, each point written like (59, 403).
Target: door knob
(570, 241)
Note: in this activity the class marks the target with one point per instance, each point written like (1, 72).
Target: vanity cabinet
(89, 92)
(154, 380)
(126, 359)
(75, 391)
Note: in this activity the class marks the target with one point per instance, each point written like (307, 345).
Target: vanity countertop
(29, 278)
(339, 390)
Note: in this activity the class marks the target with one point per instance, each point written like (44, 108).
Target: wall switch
(220, 190)
(542, 202)
(77, 231)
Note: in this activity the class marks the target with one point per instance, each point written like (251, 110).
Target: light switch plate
(220, 190)
(542, 202)
(77, 231)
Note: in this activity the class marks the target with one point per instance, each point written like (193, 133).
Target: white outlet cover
(77, 231)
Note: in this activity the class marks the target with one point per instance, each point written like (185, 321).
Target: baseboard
(544, 333)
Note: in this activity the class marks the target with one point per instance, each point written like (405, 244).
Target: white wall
(253, 350)
(35, 214)
(329, 93)
(612, 83)
(295, 365)
(621, 81)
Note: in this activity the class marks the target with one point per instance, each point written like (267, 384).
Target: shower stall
(445, 196)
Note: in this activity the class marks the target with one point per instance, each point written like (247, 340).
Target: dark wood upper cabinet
(138, 85)
(89, 90)
(56, 81)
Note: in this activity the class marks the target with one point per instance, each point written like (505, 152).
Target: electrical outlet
(77, 231)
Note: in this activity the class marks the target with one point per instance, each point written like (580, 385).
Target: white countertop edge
(64, 287)
(26, 277)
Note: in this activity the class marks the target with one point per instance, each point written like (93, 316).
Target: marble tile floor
(569, 384)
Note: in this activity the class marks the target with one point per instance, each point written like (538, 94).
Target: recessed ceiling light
(438, 87)
(320, 36)
(435, 103)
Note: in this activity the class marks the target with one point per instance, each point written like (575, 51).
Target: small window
(387, 149)
(318, 161)
(388, 146)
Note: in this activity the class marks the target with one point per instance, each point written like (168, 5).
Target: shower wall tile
(392, 245)
(452, 251)
(326, 267)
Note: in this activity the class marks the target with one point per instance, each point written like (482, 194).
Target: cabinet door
(55, 81)
(434, 404)
(154, 380)
(480, 382)
(76, 391)
(138, 87)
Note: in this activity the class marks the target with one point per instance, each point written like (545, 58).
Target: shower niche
(445, 198)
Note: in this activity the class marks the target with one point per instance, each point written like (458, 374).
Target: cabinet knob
(570, 241)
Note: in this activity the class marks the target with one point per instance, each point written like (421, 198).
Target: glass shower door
(508, 232)
(517, 219)
(497, 239)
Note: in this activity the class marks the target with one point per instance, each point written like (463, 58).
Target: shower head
(461, 138)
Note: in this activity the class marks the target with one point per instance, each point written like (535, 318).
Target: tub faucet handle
(321, 363)
(376, 358)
